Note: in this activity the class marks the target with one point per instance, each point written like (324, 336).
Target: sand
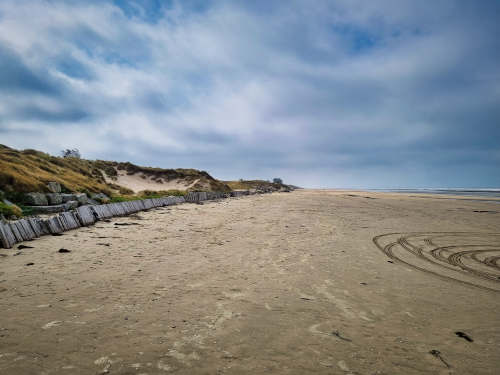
(138, 182)
(271, 284)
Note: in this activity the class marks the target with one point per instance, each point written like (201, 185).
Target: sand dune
(138, 182)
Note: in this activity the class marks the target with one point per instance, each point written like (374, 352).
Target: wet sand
(310, 282)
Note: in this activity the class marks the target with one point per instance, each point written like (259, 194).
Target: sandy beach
(308, 282)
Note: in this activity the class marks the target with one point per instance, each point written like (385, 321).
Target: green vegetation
(31, 170)
(123, 198)
(125, 191)
(27, 211)
(107, 167)
(10, 210)
(201, 179)
(147, 194)
(252, 184)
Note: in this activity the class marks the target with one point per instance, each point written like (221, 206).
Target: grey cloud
(15, 76)
(51, 116)
(29, 84)
(342, 93)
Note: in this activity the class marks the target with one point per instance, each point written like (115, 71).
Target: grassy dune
(30, 170)
(251, 184)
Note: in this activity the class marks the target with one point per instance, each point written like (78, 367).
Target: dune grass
(146, 194)
(10, 210)
(31, 170)
(250, 184)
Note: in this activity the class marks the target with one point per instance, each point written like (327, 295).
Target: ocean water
(491, 193)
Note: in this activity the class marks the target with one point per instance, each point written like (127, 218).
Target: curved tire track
(469, 258)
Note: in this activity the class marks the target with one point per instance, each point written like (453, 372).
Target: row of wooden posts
(33, 227)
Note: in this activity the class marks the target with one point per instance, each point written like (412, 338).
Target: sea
(491, 193)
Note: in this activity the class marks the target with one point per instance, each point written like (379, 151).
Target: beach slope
(308, 282)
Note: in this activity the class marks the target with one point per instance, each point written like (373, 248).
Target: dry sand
(138, 182)
(272, 284)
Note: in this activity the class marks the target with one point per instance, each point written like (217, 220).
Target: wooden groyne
(30, 228)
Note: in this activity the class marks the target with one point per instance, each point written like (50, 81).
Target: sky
(339, 93)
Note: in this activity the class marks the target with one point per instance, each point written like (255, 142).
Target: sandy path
(280, 283)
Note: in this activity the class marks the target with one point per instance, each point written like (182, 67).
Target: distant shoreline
(490, 193)
(484, 193)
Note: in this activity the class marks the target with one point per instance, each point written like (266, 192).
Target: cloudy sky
(339, 93)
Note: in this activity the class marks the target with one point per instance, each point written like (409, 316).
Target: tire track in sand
(469, 258)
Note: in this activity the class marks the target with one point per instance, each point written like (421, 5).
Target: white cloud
(326, 88)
